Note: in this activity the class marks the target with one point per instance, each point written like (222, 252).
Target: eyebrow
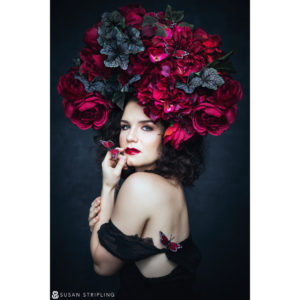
(143, 121)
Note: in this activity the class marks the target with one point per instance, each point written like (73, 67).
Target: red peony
(92, 111)
(209, 118)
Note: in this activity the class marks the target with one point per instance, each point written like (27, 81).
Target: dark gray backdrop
(219, 202)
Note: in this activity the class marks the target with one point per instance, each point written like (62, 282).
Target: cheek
(153, 141)
(122, 140)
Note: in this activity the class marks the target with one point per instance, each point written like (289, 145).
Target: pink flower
(157, 54)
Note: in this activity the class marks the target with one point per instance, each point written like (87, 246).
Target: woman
(179, 87)
(146, 204)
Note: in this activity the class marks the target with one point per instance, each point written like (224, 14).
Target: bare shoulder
(147, 181)
(137, 188)
(150, 186)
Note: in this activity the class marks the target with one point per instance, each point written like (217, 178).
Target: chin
(131, 162)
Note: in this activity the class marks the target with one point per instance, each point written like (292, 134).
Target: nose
(132, 135)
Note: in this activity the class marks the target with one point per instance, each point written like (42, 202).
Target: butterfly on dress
(170, 245)
(110, 146)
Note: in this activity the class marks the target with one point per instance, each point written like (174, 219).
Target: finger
(107, 160)
(95, 202)
(95, 205)
(120, 165)
(92, 223)
(94, 220)
(94, 212)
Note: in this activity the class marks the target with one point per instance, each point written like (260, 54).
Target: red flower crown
(178, 74)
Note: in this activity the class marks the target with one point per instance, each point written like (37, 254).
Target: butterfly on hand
(167, 242)
(110, 146)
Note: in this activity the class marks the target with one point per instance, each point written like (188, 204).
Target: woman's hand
(112, 168)
(94, 215)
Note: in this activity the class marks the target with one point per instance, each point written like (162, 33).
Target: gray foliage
(206, 78)
(106, 88)
(210, 78)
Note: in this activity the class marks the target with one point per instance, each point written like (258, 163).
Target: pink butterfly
(110, 146)
(170, 245)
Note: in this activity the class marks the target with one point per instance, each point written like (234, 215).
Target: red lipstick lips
(132, 151)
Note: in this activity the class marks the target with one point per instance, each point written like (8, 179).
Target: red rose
(92, 111)
(91, 36)
(178, 133)
(69, 87)
(229, 93)
(209, 118)
(93, 64)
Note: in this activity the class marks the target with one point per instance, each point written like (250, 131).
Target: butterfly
(110, 146)
(170, 245)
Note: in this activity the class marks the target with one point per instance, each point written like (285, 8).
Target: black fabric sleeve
(128, 248)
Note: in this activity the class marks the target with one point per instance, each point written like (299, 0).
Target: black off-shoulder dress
(133, 284)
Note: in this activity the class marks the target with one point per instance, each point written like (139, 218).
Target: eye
(147, 128)
(124, 127)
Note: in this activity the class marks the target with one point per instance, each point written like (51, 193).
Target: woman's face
(140, 137)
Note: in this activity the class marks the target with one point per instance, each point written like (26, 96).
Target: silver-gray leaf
(90, 87)
(190, 86)
(210, 78)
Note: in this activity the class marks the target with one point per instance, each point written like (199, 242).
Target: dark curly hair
(185, 165)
